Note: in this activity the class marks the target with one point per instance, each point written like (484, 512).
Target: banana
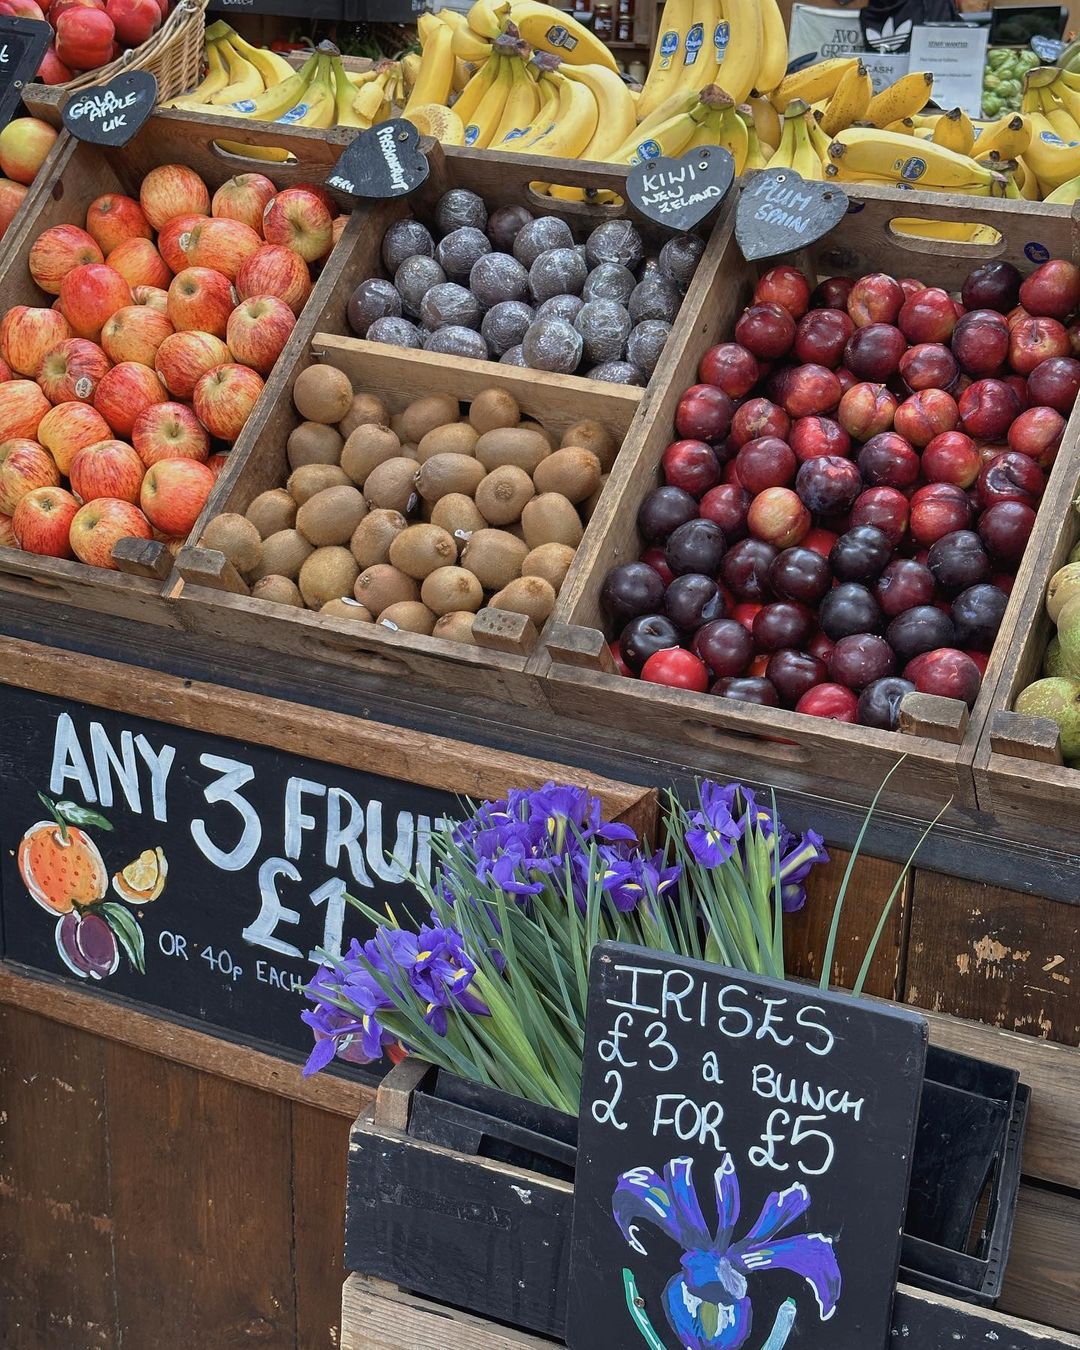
(466, 46)
(734, 138)
(784, 153)
(522, 103)
(805, 160)
(958, 232)
(275, 102)
(850, 100)
(410, 68)
(818, 139)
(767, 121)
(741, 63)
(1051, 159)
(666, 67)
(812, 83)
(867, 152)
(443, 124)
(955, 132)
(1069, 97)
(1058, 117)
(436, 69)
(369, 100)
(426, 24)
(470, 97)
(903, 98)
(575, 123)
(756, 158)
(1066, 194)
(344, 97)
(905, 126)
(273, 68)
(543, 121)
(699, 55)
(480, 128)
(214, 81)
(487, 19)
(774, 47)
(669, 137)
(244, 80)
(318, 104)
(551, 30)
(618, 115)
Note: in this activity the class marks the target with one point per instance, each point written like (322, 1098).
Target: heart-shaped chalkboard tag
(680, 193)
(111, 114)
(385, 161)
(23, 42)
(780, 211)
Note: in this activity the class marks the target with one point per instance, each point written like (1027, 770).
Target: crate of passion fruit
(803, 570)
(147, 293)
(412, 504)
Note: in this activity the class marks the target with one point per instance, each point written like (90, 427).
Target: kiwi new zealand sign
(385, 161)
(194, 873)
(681, 193)
(23, 42)
(744, 1156)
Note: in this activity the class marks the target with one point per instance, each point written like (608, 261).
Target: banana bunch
(801, 142)
(376, 94)
(1051, 105)
(896, 159)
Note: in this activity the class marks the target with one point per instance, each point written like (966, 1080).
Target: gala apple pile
(854, 485)
(118, 402)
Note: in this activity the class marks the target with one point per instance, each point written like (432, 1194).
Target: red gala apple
(243, 198)
(24, 465)
(139, 263)
(68, 428)
(107, 469)
(224, 245)
(169, 431)
(174, 493)
(27, 334)
(58, 251)
(257, 331)
(85, 38)
(52, 70)
(275, 270)
(184, 358)
(22, 406)
(114, 219)
(90, 295)
(169, 237)
(200, 300)
(124, 392)
(71, 370)
(135, 21)
(224, 398)
(42, 522)
(300, 221)
(7, 533)
(12, 195)
(152, 297)
(173, 190)
(217, 462)
(135, 333)
(24, 144)
(100, 524)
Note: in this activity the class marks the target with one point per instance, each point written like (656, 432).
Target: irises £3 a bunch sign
(743, 1161)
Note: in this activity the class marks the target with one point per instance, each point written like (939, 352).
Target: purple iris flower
(714, 831)
(708, 1303)
(356, 1037)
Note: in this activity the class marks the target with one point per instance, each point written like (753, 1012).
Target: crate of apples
(160, 317)
(849, 491)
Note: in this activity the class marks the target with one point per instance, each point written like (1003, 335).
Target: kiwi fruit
(272, 511)
(519, 446)
(328, 574)
(309, 479)
(322, 394)
(494, 557)
(372, 538)
(551, 519)
(458, 514)
(550, 561)
(589, 505)
(457, 438)
(455, 627)
(408, 616)
(396, 426)
(278, 590)
(425, 414)
(527, 595)
(503, 493)
(449, 589)
(443, 474)
(492, 409)
(345, 607)
(382, 585)
(390, 485)
(237, 538)
(367, 447)
(283, 555)
(530, 424)
(573, 472)
(365, 410)
(331, 516)
(312, 443)
(421, 549)
(592, 435)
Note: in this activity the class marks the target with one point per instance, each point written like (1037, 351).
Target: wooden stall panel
(1042, 1270)
(320, 1151)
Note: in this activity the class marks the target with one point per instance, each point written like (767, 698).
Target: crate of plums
(812, 563)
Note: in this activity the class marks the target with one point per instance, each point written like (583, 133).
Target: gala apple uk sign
(111, 114)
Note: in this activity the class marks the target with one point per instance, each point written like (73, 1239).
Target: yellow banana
(273, 68)
(670, 137)
(903, 98)
(426, 24)
(774, 47)
(905, 126)
(481, 126)
(214, 81)
(699, 50)
(443, 124)
(344, 96)
(1051, 159)
(1070, 98)
(784, 154)
(1058, 117)
(318, 104)
(883, 155)
(466, 46)
(436, 69)
(543, 121)
(959, 232)
(275, 102)
(805, 160)
(1066, 194)
(734, 138)
(741, 64)
(244, 80)
(812, 83)
(618, 115)
(756, 158)
(818, 138)
(522, 103)
(410, 68)
(486, 19)
(470, 97)
(575, 122)
(552, 30)
(955, 132)
(850, 100)
(766, 119)
(666, 68)
(370, 99)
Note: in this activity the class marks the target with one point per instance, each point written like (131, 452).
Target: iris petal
(728, 1200)
(693, 1230)
(641, 1194)
(778, 1212)
(809, 1255)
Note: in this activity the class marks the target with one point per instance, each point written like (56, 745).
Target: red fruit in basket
(42, 522)
(866, 410)
(1010, 477)
(927, 414)
(958, 560)
(704, 414)
(200, 300)
(811, 390)
(243, 198)
(988, 408)
(929, 366)
(27, 334)
(71, 371)
(184, 358)
(1038, 432)
(124, 392)
(151, 297)
(782, 624)
(99, 525)
(927, 316)
(135, 21)
(1035, 340)
(758, 417)
(725, 645)
(617, 657)
(911, 286)
(85, 38)
(817, 437)
(1016, 383)
(139, 263)
(67, 428)
(1052, 289)
(767, 331)
(12, 196)
(980, 342)
(169, 431)
(171, 239)
(1055, 383)
(945, 671)
(875, 299)
(821, 336)
(884, 507)
(173, 190)
(300, 220)
(765, 463)
(992, 285)
(656, 558)
(58, 7)
(224, 245)
(21, 9)
(778, 517)
(107, 469)
(834, 702)
(749, 689)
(52, 70)
(951, 457)
(744, 570)
(828, 485)
(1073, 331)
(274, 270)
(24, 465)
(820, 540)
(690, 465)
(174, 493)
(793, 674)
(888, 460)
(224, 398)
(731, 368)
(90, 295)
(1005, 529)
(903, 585)
(875, 352)
(859, 659)
(135, 333)
(937, 510)
(1014, 316)
(785, 286)
(114, 219)
(58, 251)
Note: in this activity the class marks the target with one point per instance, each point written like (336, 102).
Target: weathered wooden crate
(938, 736)
(77, 174)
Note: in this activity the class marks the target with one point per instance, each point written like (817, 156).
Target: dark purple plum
(664, 510)
(630, 590)
(644, 636)
(958, 560)
(977, 614)
(697, 546)
(747, 689)
(859, 659)
(879, 702)
(992, 285)
(861, 554)
(745, 569)
(848, 608)
(725, 646)
(904, 584)
(782, 624)
(828, 485)
(793, 673)
(920, 629)
(693, 599)
(800, 574)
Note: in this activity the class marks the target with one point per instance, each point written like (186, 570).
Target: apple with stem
(42, 522)
(169, 431)
(99, 525)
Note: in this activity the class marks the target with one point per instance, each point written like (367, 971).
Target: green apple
(1063, 585)
(1059, 699)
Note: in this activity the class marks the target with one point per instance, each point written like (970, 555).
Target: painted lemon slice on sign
(142, 880)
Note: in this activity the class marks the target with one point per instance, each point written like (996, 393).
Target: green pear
(1068, 633)
(1059, 699)
(1063, 585)
(1053, 662)
(1074, 556)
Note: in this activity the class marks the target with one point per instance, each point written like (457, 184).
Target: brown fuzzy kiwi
(455, 627)
(312, 443)
(492, 409)
(311, 478)
(237, 538)
(331, 516)
(457, 438)
(443, 474)
(396, 427)
(530, 424)
(408, 616)
(421, 549)
(322, 394)
(364, 410)
(457, 514)
(272, 511)
(449, 589)
(345, 607)
(551, 519)
(589, 505)
(382, 585)
(519, 446)
(326, 575)
(283, 555)
(372, 538)
(391, 485)
(367, 447)
(278, 590)
(494, 557)
(572, 471)
(503, 493)
(592, 435)
(427, 413)
(527, 595)
(550, 561)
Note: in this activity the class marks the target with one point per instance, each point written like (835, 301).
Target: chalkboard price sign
(743, 1161)
(23, 43)
(385, 161)
(111, 114)
(680, 193)
(779, 212)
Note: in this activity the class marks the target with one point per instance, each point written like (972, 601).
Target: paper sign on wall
(956, 54)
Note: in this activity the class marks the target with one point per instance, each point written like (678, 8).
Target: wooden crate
(78, 173)
(939, 736)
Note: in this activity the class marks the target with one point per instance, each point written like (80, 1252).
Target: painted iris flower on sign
(709, 1301)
